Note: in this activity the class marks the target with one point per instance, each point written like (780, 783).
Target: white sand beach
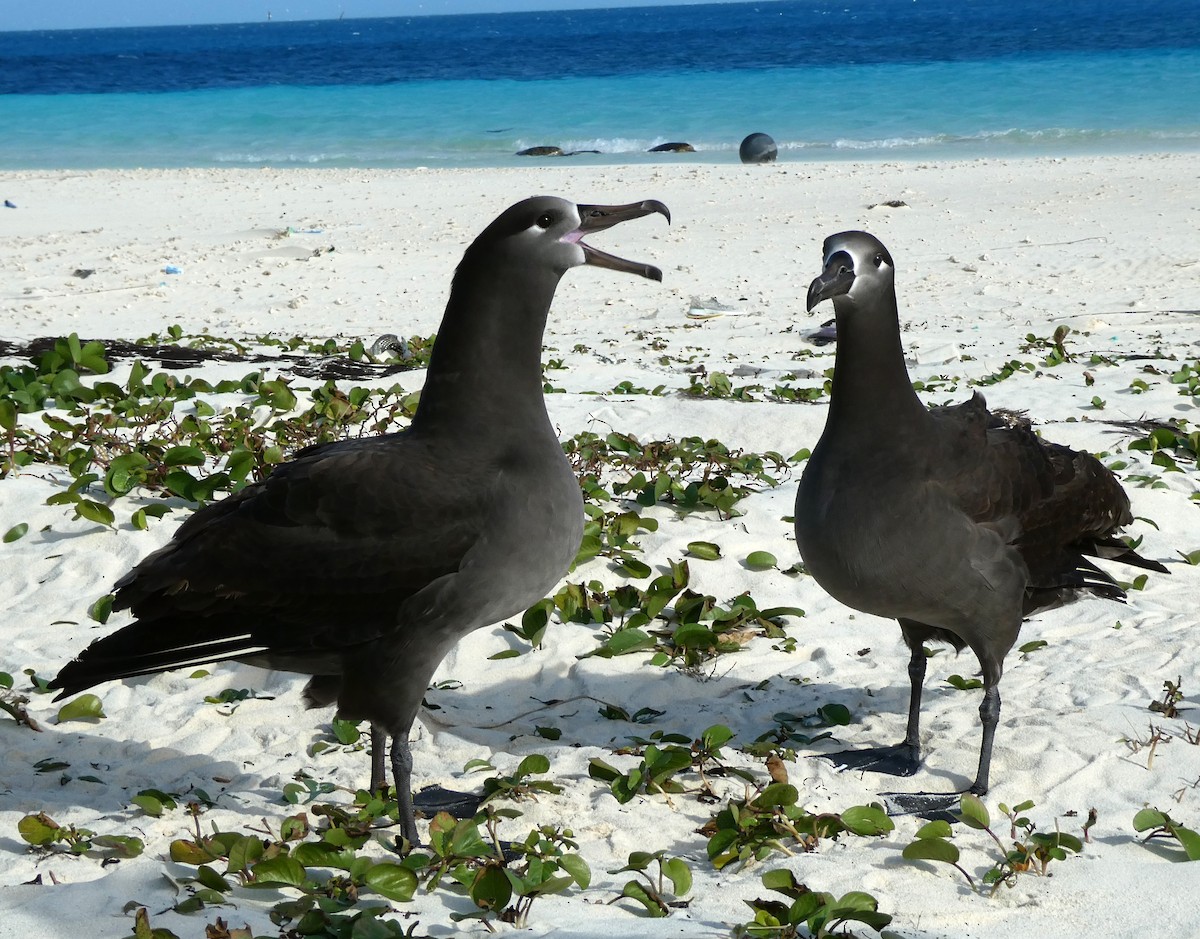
(987, 253)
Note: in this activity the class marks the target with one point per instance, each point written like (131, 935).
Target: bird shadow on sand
(574, 699)
(123, 769)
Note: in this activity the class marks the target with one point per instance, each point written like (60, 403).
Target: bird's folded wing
(322, 552)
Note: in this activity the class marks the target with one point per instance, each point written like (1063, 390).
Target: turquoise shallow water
(895, 80)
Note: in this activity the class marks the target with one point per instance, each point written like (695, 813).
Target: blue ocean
(874, 79)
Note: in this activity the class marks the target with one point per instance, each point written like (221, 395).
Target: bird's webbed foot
(901, 759)
(433, 799)
(934, 806)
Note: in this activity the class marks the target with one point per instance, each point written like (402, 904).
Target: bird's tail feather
(1113, 549)
(145, 648)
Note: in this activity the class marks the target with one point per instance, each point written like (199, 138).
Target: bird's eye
(879, 260)
(545, 220)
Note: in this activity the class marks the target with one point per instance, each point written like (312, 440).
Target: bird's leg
(430, 800)
(937, 805)
(989, 715)
(901, 759)
(916, 679)
(402, 764)
(378, 758)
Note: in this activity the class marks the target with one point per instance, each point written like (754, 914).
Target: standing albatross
(948, 519)
(362, 562)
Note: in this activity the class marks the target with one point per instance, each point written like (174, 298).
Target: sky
(88, 14)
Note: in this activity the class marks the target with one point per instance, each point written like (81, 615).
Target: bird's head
(857, 266)
(548, 231)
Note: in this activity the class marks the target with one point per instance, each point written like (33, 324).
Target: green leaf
(278, 871)
(638, 861)
(123, 473)
(394, 881)
(533, 765)
(679, 874)
(867, 820)
(1032, 646)
(716, 736)
(102, 608)
(761, 561)
(605, 772)
(119, 846)
(346, 732)
(777, 794)
(491, 889)
(931, 849)
(1149, 818)
(858, 901)
(936, 829)
(779, 879)
(705, 550)
(243, 852)
(775, 612)
(1062, 839)
(635, 891)
(694, 636)
(148, 804)
(85, 707)
(477, 764)
(8, 415)
(635, 568)
(184, 456)
(38, 829)
(188, 852)
(577, 867)
(973, 812)
(1190, 841)
(94, 512)
(626, 641)
(15, 533)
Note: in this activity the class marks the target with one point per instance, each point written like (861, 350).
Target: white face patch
(865, 256)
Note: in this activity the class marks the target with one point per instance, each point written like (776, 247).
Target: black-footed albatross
(950, 519)
(362, 562)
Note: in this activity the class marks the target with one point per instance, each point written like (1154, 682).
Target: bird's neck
(871, 387)
(485, 369)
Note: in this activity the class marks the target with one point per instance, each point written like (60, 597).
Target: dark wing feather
(313, 560)
(1055, 505)
(993, 471)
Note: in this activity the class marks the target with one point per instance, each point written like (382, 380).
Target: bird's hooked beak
(594, 218)
(834, 281)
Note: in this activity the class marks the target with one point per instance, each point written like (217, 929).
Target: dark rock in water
(758, 148)
(673, 147)
(552, 151)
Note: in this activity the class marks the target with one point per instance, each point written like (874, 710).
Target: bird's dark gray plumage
(952, 520)
(362, 562)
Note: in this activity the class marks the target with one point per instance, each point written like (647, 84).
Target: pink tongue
(572, 237)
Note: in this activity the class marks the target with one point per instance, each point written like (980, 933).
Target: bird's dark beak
(834, 281)
(594, 218)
